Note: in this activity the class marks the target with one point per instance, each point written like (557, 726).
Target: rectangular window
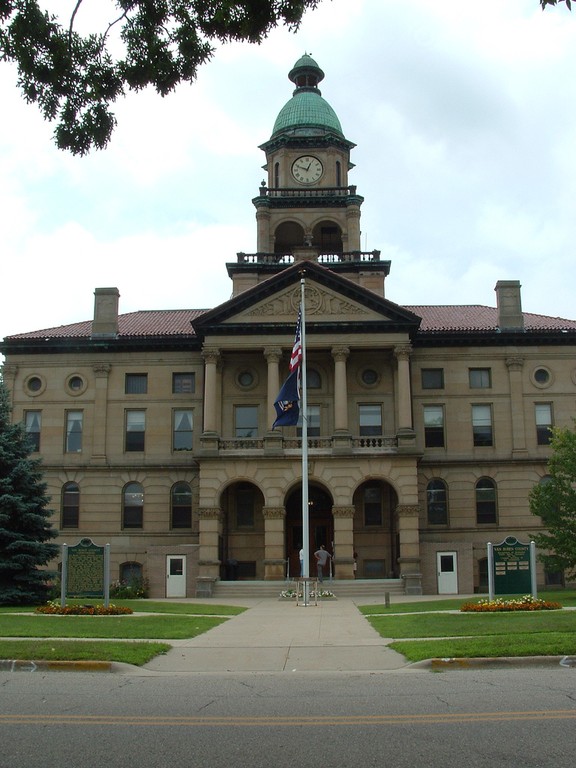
(370, 419)
(70, 506)
(246, 420)
(313, 422)
(245, 508)
(136, 384)
(482, 425)
(543, 414)
(74, 431)
(33, 425)
(434, 426)
(135, 430)
(183, 432)
(432, 378)
(480, 378)
(183, 383)
(372, 505)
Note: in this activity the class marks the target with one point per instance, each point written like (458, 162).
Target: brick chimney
(105, 323)
(509, 303)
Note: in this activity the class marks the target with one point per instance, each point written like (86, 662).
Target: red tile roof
(176, 322)
(476, 317)
(143, 324)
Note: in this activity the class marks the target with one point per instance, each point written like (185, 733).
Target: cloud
(464, 115)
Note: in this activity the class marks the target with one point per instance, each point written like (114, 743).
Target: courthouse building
(427, 425)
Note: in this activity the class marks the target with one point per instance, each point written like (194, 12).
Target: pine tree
(25, 528)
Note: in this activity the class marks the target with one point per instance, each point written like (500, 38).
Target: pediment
(330, 300)
(322, 305)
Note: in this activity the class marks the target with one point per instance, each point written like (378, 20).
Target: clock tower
(306, 209)
(306, 200)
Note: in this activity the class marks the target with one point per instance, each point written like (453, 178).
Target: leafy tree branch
(75, 79)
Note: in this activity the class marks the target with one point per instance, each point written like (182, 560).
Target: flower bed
(526, 603)
(291, 594)
(55, 609)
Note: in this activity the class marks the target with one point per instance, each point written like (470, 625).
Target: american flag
(296, 357)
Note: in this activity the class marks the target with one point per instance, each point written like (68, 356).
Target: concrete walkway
(279, 636)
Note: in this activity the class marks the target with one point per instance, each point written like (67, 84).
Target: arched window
(437, 502)
(181, 506)
(130, 572)
(372, 503)
(338, 174)
(70, 507)
(313, 379)
(276, 175)
(133, 506)
(486, 507)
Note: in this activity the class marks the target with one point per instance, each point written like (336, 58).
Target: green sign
(85, 570)
(512, 573)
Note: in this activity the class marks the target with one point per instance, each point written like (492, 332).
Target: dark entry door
(320, 527)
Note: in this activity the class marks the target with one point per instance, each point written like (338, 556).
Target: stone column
(209, 531)
(340, 355)
(409, 556)
(402, 354)
(515, 365)
(9, 377)
(101, 374)
(274, 543)
(211, 359)
(343, 542)
(263, 244)
(273, 356)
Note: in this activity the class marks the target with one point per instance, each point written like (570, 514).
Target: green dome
(307, 113)
(307, 110)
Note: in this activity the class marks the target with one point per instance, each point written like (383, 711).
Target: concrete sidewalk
(279, 636)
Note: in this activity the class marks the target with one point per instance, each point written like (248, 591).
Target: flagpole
(304, 412)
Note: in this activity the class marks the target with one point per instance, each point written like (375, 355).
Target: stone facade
(427, 426)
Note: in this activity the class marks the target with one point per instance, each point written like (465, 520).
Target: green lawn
(472, 635)
(155, 626)
(566, 598)
(79, 650)
(166, 621)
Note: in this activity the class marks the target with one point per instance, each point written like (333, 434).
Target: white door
(447, 570)
(175, 576)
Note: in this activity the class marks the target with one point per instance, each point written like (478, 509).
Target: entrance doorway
(175, 576)
(447, 570)
(320, 527)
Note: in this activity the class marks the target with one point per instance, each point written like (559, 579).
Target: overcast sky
(464, 116)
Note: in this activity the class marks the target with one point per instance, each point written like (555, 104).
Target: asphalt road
(413, 718)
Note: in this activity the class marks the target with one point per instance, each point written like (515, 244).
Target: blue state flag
(287, 404)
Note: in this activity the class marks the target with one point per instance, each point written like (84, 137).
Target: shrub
(130, 589)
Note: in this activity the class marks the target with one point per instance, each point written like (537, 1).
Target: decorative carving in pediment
(318, 302)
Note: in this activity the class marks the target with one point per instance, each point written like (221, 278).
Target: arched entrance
(241, 546)
(320, 525)
(376, 544)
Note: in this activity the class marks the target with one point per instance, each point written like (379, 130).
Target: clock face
(307, 169)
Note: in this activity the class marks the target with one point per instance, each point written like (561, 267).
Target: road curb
(30, 665)
(498, 662)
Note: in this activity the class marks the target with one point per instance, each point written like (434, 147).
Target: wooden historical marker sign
(511, 566)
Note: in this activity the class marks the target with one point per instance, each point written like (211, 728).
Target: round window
(34, 385)
(541, 377)
(75, 383)
(369, 377)
(246, 379)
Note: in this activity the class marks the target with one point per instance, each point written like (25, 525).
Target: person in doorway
(355, 564)
(322, 559)
(302, 562)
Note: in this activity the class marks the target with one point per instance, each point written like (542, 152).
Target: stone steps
(340, 588)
